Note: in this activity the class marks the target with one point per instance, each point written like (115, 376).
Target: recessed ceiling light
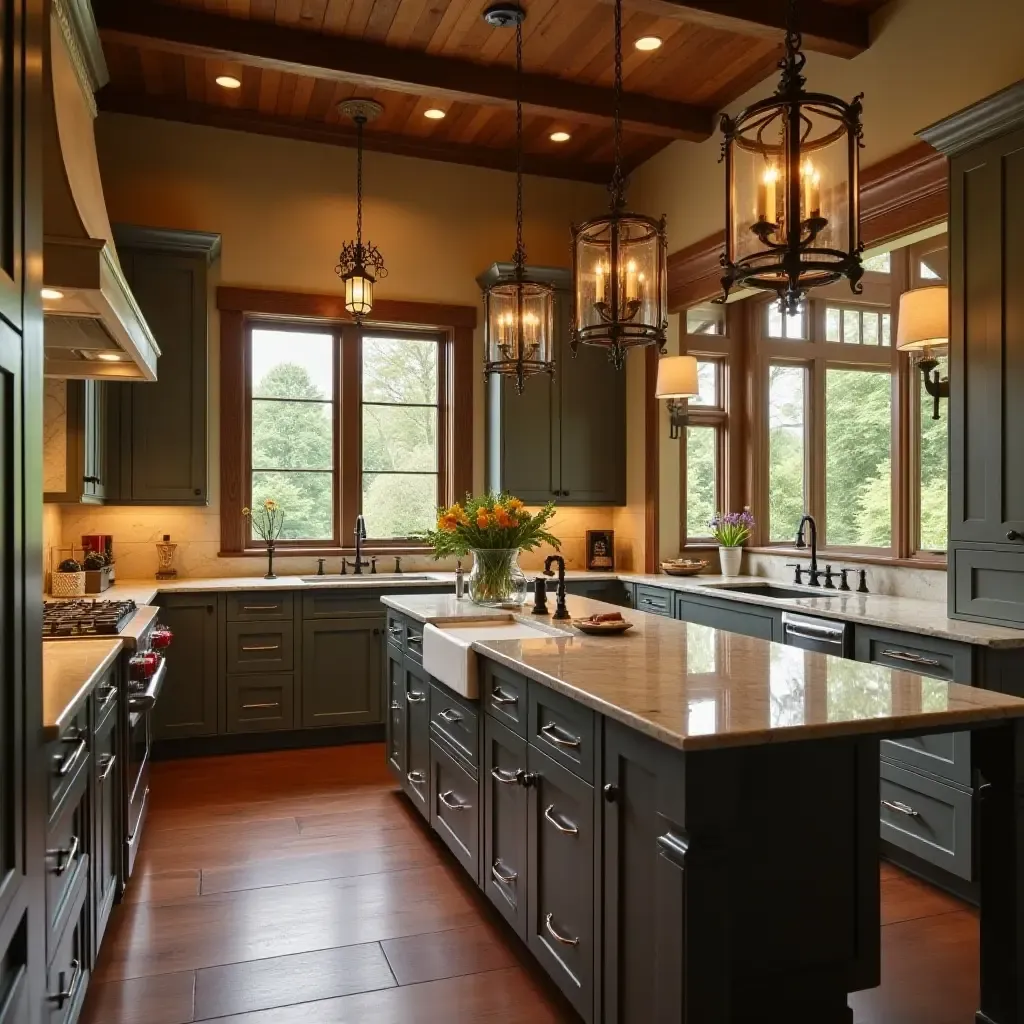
(109, 357)
(560, 136)
(434, 114)
(648, 42)
(52, 293)
(228, 82)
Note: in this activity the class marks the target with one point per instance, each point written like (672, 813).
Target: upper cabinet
(985, 144)
(564, 438)
(159, 431)
(75, 441)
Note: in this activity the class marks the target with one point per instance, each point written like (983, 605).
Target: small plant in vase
(732, 530)
(267, 522)
(495, 528)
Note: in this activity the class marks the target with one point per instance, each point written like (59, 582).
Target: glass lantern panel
(824, 180)
(519, 323)
(758, 194)
(358, 294)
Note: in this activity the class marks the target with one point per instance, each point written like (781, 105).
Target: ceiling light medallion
(518, 314)
(648, 43)
(434, 114)
(619, 260)
(360, 266)
(792, 165)
(228, 82)
(560, 136)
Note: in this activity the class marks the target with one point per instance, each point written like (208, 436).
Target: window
(792, 325)
(707, 318)
(879, 264)
(787, 386)
(932, 469)
(704, 451)
(857, 326)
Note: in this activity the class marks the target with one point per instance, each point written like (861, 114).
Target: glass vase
(496, 578)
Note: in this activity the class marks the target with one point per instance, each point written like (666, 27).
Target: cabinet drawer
(725, 615)
(946, 754)
(67, 977)
(456, 720)
(563, 729)
(260, 703)
(418, 756)
(414, 641)
(989, 585)
(926, 817)
(455, 808)
(256, 606)
(67, 857)
(253, 647)
(926, 656)
(654, 600)
(504, 697)
(66, 758)
(396, 627)
(331, 604)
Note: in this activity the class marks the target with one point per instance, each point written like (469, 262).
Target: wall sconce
(924, 324)
(677, 381)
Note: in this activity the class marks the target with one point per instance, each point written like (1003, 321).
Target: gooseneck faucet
(561, 612)
(360, 532)
(806, 520)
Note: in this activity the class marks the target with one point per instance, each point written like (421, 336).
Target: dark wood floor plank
(283, 981)
(150, 886)
(163, 999)
(436, 955)
(905, 898)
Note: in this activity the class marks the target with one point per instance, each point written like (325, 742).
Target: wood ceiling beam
(376, 66)
(167, 109)
(826, 28)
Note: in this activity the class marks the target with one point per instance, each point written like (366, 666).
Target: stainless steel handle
(252, 707)
(395, 706)
(395, 630)
(822, 633)
(263, 647)
(69, 993)
(450, 715)
(66, 765)
(570, 829)
(509, 879)
(65, 858)
(106, 695)
(415, 697)
(499, 696)
(414, 638)
(446, 799)
(552, 731)
(260, 607)
(416, 777)
(901, 808)
(555, 935)
(107, 766)
(506, 778)
(915, 659)
(145, 701)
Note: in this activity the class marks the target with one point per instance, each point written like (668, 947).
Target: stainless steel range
(140, 676)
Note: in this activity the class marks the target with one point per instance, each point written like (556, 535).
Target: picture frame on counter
(600, 550)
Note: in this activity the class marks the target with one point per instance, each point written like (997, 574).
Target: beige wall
(283, 208)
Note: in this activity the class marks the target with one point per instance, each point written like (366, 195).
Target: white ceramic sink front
(448, 655)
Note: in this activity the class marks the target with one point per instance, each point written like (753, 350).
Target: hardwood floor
(300, 888)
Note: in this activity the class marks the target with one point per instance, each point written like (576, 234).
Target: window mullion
(815, 498)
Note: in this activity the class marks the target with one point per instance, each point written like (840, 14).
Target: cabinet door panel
(341, 672)
(455, 807)
(394, 695)
(106, 829)
(521, 458)
(11, 166)
(417, 738)
(190, 696)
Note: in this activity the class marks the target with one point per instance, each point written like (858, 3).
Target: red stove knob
(143, 665)
(160, 637)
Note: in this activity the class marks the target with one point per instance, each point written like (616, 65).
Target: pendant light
(619, 261)
(792, 165)
(360, 266)
(518, 314)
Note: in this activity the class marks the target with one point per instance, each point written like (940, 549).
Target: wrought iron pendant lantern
(360, 266)
(619, 263)
(518, 314)
(792, 164)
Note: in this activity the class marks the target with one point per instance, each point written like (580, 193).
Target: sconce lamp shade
(924, 318)
(677, 377)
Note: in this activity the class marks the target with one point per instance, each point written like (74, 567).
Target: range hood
(93, 326)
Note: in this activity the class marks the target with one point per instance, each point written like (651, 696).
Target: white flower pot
(731, 559)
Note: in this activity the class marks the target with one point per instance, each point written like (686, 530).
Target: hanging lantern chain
(519, 258)
(360, 121)
(618, 182)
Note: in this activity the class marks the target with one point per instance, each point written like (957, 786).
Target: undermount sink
(764, 590)
(367, 577)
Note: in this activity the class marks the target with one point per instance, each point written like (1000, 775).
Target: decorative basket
(67, 584)
(684, 567)
(97, 580)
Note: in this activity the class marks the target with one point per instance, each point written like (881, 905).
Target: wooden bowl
(613, 628)
(684, 567)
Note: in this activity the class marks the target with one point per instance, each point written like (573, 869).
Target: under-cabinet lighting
(52, 293)
(109, 357)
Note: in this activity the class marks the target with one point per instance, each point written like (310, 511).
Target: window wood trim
(240, 306)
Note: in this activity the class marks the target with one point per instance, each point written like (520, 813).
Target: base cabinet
(107, 834)
(341, 671)
(394, 696)
(455, 806)
(416, 781)
(190, 698)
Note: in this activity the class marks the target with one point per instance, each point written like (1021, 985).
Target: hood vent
(93, 326)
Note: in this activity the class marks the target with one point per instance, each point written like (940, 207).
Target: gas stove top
(85, 618)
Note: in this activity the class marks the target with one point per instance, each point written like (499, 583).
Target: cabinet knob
(611, 793)
(198, 491)
(1015, 535)
(528, 779)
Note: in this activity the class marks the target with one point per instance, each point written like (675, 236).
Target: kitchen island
(682, 823)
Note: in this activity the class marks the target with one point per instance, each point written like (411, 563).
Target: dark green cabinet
(189, 701)
(563, 439)
(394, 697)
(455, 806)
(159, 430)
(341, 671)
(107, 836)
(84, 443)
(416, 782)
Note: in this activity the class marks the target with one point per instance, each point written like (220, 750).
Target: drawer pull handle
(901, 808)
(499, 696)
(254, 707)
(450, 715)
(395, 630)
(260, 607)
(507, 778)
(569, 829)
(555, 935)
(395, 706)
(106, 695)
(106, 767)
(415, 697)
(65, 858)
(916, 659)
(452, 805)
(263, 647)
(68, 994)
(66, 765)
(559, 736)
(496, 874)
(415, 638)
(416, 777)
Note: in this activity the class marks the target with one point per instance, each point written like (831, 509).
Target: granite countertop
(693, 687)
(70, 672)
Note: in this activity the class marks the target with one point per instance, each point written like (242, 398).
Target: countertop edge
(52, 731)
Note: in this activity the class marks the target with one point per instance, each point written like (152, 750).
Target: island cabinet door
(341, 666)
(417, 738)
(560, 870)
(394, 699)
(189, 699)
(107, 836)
(506, 813)
(642, 964)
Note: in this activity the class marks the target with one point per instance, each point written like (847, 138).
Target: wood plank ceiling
(297, 59)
